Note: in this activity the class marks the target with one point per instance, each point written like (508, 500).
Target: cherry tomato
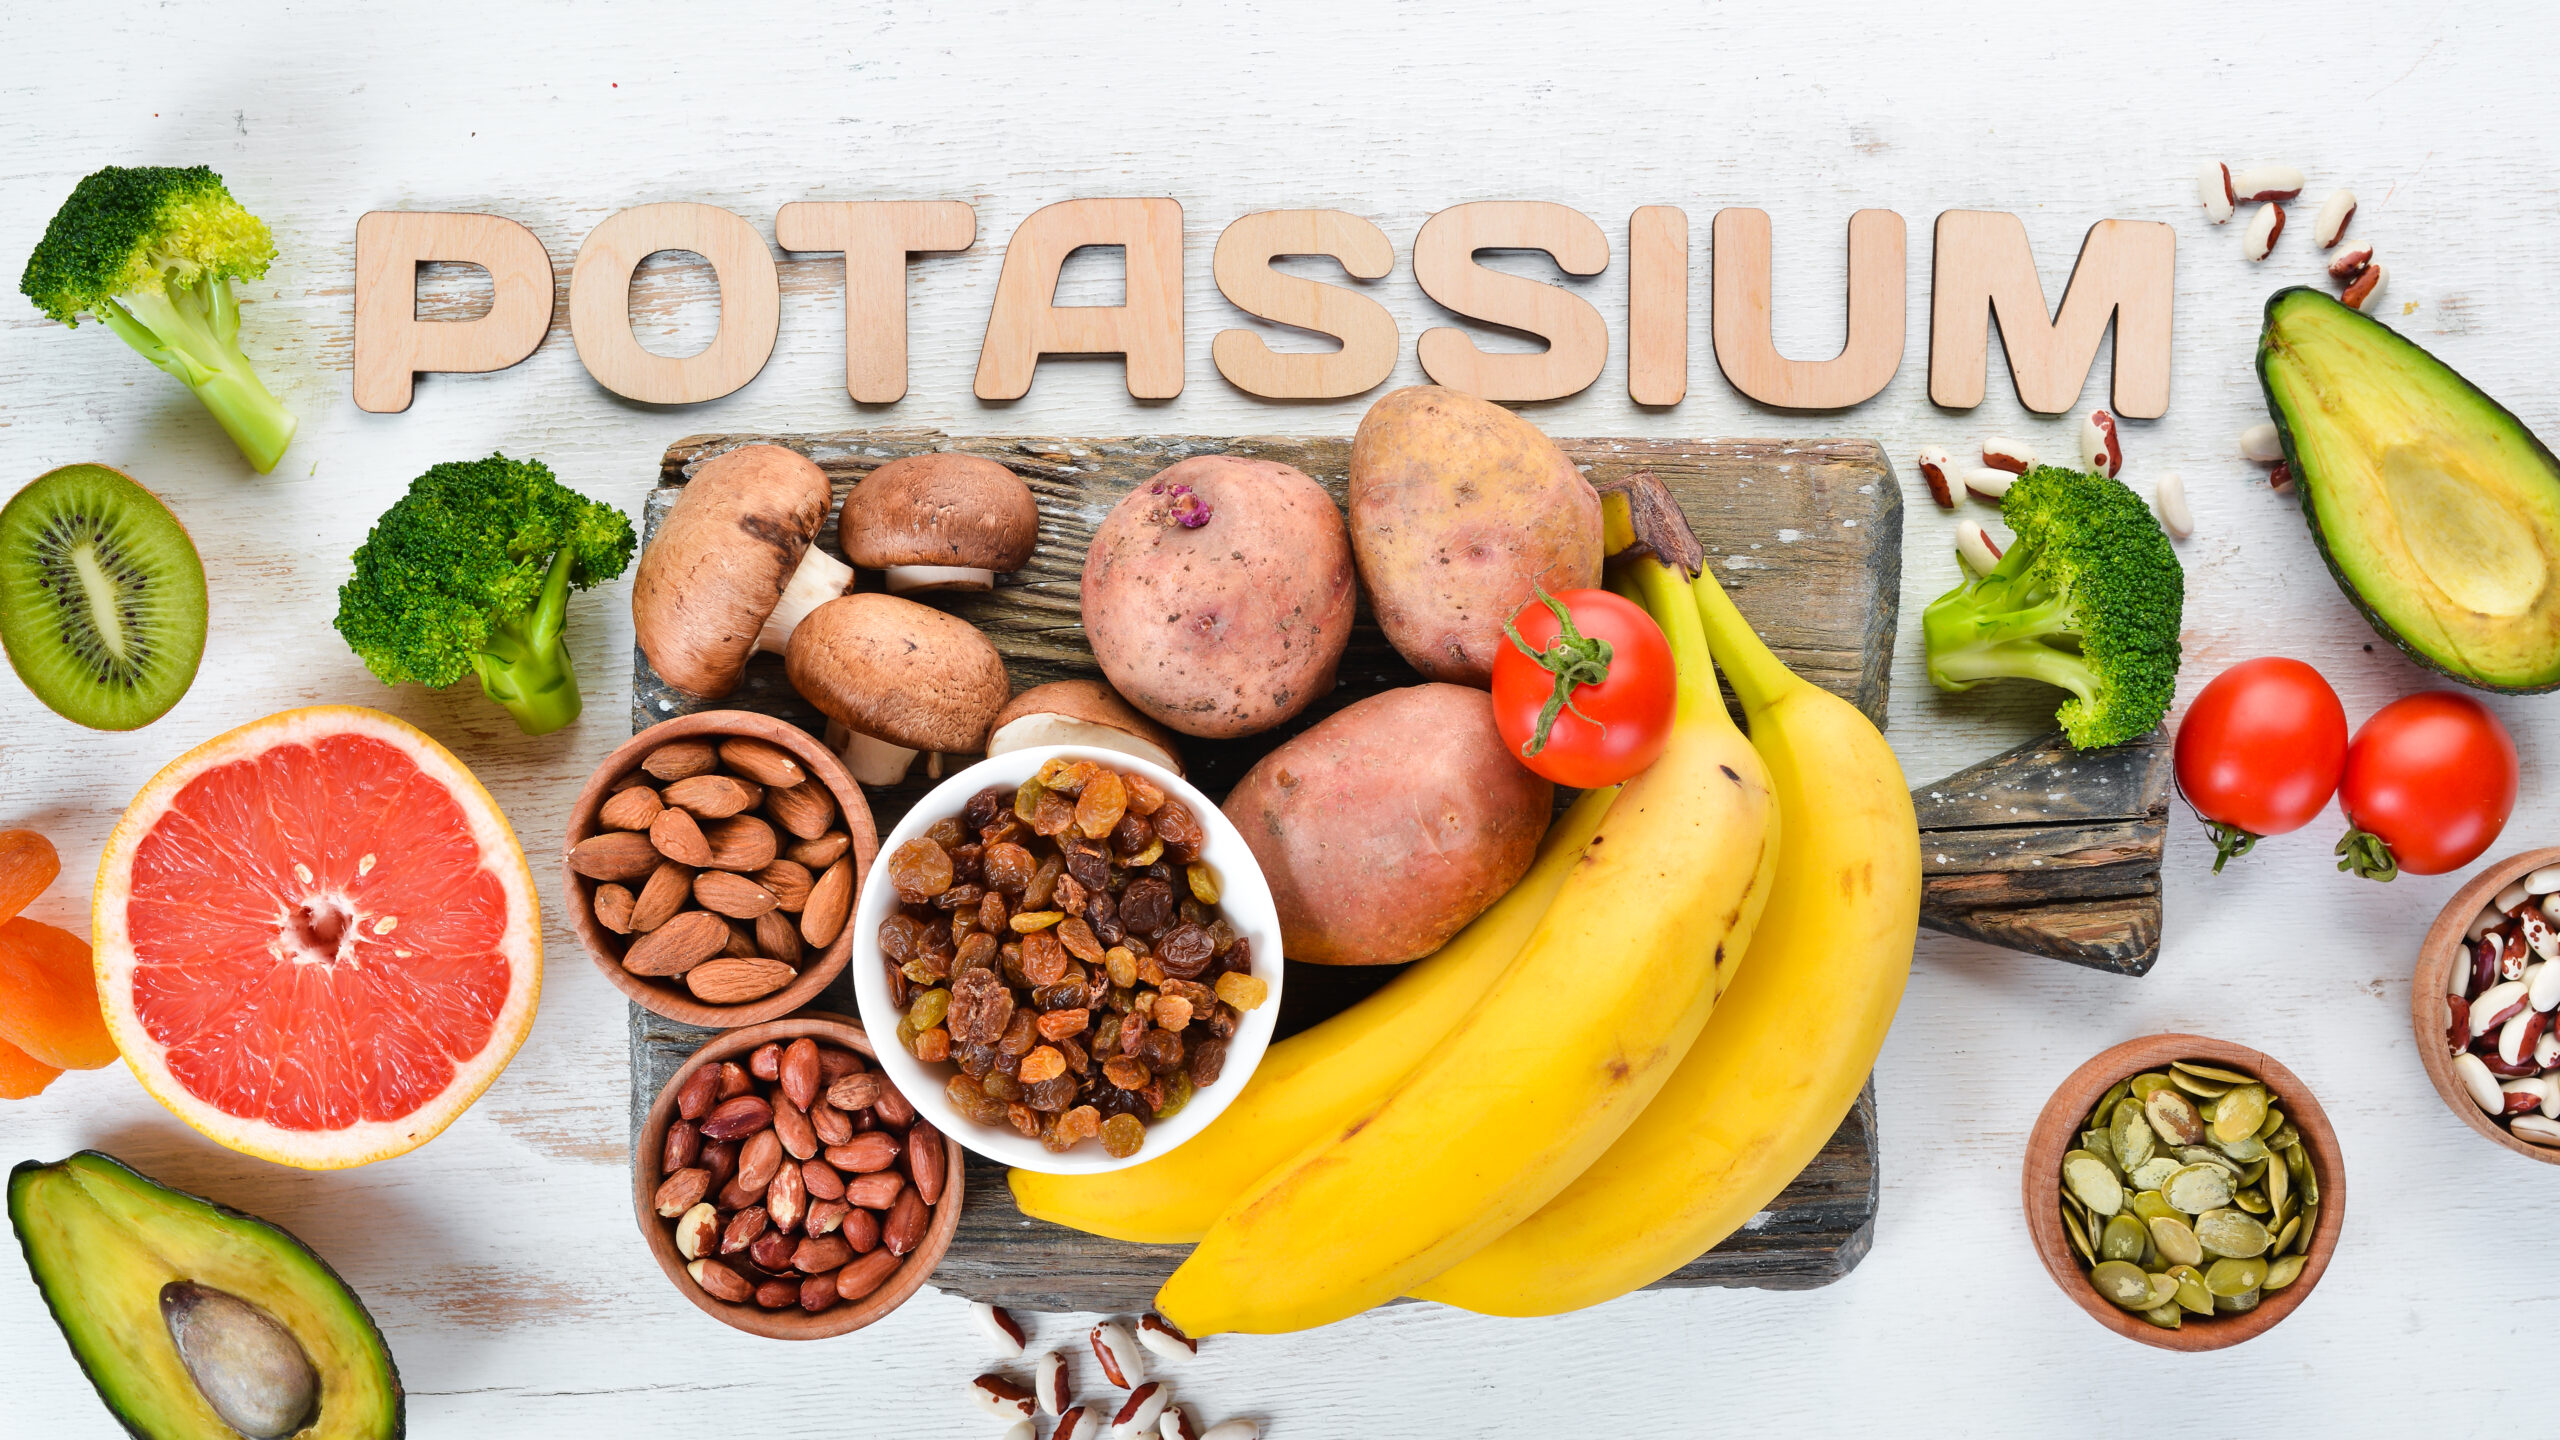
(1582, 688)
(2259, 752)
(2430, 781)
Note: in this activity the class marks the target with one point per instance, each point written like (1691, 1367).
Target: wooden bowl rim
(606, 949)
(845, 1317)
(2056, 1129)
(2428, 1014)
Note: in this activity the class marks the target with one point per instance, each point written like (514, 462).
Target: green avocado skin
(2424, 369)
(102, 1239)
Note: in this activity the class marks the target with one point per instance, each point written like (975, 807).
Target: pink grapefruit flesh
(317, 940)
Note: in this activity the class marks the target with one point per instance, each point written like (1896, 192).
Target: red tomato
(2430, 781)
(1619, 716)
(2259, 752)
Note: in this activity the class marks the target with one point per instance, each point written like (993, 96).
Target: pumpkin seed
(2252, 1200)
(2240, 1304)
(2270, 1125)
(2149, 1205)
(2122, 1283)
(2202, 1071)
(2094, 1181)
(2131, 1137)
(2167, 1317)
(2106, 1106)
(2236, 1115)
(2164, 1290)
(2192, 1296)
(2096, 1143)
(2284, 1138)
(2122, 1240)
(2305, 1179)
(2233, 1234)
(2195, 1189)
(2197, 1085)
(2173, 1117)
(2286, 1232)
(2207, 1155)
(2177, 1241)
(2230, 1277)
(2143, 1084)
(2079, 1238)
(2246, 1150)
(2284, 1272)
(2153, 1173)
(2310, 1223)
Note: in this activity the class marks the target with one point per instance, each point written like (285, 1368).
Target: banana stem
(1759, 678)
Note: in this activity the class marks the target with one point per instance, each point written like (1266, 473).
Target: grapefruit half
(317, 940)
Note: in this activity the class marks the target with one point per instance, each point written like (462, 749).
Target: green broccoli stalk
(2088, 597)
(470, 574)
(152, 251)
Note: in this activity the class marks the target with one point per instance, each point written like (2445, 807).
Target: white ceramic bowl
(1243, 897)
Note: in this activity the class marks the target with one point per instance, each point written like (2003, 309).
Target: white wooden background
(501, 1259)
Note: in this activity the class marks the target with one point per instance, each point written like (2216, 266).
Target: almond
(670, 885)
(789, 881)
(680, 759)
(613, 908)
(822, 919)
(805, 809)
(714, 797)
(613, 855)
(732, 981)
(761, 761)
(822, 852)
(732, 895)
(741, 842)
(778, 937)
(630, 809)
(742, 941)
(680, 945)
(677, 837)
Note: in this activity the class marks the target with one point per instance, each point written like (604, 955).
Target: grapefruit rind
(365, 1141)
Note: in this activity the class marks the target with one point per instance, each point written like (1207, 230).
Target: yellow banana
(1548, 1069)
(1790, 1043)
(1314, 1083)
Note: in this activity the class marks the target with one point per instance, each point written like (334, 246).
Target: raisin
(1111, 1100)
(1044, 884)
(968, 863)
(1223, 1021)
(1081, 1123)
(1126, 1071)
(1185, 952)
(960, 895)
(1026, 1121)
(1122, 1135)
(1193, 912)
(1052, 814)
(1147, 907)
(1077, 1060)
(919, 871)
(1059, 1024)
(1106, 1035)
(967, 1097)
(1078, 939)
(1102, 914)
(977, 952)
(1044, 960)
(1177, 1093)
(1172, 1012)
(1208, 1061)
(1055, 1140)
(1019, 1035)
(933, 1045)
(1161, 1049)
(1150, 969)
(1002, 1085)
(899, 989)
(946, 832)
(1222, 934)
(981, 1007)
(900, 938)
(1005, 830)
(974, 1060)
(1145, 796)
(1099, 806)
(1122, 964)
(1007, 867)
(1089, 863)
(1026, 800)
(991, 913)
(1199, 996)
(926, 969)
(1133, 1029)
(1245, 992)
(1044, 1063)
(929, 1009)
(1133, 834)
(1180, 831)
(1069, 896)
(985, 806)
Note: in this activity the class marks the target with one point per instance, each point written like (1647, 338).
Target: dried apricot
(27, 865)
(49, 997)
(21, 1074)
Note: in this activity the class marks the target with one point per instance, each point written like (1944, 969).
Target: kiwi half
(102, 606)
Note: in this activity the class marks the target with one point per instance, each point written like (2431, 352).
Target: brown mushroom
(899, 677)
(1081, 712)
(733, 568)
(940, 521)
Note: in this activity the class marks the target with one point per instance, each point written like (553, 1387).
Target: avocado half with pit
(2437, 510)
(198, 1321)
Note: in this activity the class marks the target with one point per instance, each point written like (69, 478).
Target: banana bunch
(1563, 1052)
(1790, 1043)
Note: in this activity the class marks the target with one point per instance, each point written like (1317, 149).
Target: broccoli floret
(152, 251)
(2088, 597)
(470, 574)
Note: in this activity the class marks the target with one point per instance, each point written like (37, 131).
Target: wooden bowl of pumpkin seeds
(2186, 1192)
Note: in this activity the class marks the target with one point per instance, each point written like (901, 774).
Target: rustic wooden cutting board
(1807, 536)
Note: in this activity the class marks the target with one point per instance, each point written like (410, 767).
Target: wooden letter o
(600, 303)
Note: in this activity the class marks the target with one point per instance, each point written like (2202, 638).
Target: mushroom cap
(941, 508)
(899, 671)
(720, 560)
(1095, 703)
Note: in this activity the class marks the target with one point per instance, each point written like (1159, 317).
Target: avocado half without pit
(2437, 510)
(897, 677)
(940, 521)
(732, 570)
(197, 1322)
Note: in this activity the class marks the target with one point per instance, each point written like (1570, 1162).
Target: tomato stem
(2364, 853)
(1575, 659)
(2228, 841)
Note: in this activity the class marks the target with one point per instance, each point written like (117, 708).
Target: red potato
(1459, 508)
(1218, 595)
(1388, 826)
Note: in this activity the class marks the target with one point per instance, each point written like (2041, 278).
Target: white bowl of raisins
(1067, 959)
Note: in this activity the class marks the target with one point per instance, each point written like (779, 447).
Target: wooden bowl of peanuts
(711, 866)
(2447, 990)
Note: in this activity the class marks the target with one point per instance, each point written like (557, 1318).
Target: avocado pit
(248, 1367)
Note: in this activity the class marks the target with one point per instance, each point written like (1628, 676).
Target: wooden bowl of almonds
(711, 866)
(2483, 1014)
(787, 1220)
(2186, 1192)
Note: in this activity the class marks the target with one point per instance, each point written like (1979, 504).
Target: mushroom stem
(874, 761)
(909, 579)
(819, 578)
